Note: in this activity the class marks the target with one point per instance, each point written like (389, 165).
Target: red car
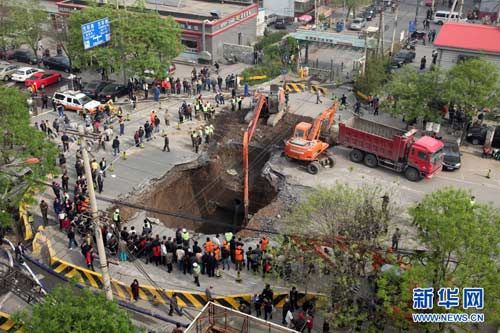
(43, 79)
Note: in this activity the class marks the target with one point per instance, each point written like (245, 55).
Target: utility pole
(460, 10)
(95, 218)
(363, 69)
(380, 28)
(395, 27)
(416, 13)
(382, 31)
(316, 16)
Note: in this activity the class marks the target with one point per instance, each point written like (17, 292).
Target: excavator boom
(328, 114)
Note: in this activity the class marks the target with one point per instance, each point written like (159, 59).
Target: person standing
(166, 117)
(116, 146)
(173, 304)
(157, 124)
(121, 122)
(71, 237)
(395, 239)
(44, 208)
(145, 88)
(318, 97)
(196, 273)
(268, 309)
(89, 258)
(177, 328)
(122, 250)
(102, 166)
(294, 297)
(134, 287)
(65, 142)
(166, 143)
(423, 61)
(100, 182)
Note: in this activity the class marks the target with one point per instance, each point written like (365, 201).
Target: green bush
(269, 39)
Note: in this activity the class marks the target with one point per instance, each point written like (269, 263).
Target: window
(191, 45)
(421, 155)
(58, 96)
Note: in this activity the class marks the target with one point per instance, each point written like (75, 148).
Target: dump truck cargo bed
(375, 138)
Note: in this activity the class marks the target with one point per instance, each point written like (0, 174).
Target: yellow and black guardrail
(322, 90)
(6, 324)
(295, 87)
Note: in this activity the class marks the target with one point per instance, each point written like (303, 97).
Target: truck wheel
(313, 168)
(371, 160)
(412, 174)
(330, 161)
(356, 155)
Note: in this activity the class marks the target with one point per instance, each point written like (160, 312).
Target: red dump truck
(376, 144)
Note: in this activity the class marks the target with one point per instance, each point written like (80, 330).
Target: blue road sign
(412, 26)
(96, 33)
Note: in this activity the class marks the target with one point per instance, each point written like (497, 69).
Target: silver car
(357, 24)
(6, 70)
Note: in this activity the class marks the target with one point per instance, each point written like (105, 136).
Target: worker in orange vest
(238, 257)
(217, 254)
(209, 246)
(263, 243)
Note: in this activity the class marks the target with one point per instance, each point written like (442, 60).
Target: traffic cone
(178, 126)
(110, 168)
(124, 155)
(127, 117)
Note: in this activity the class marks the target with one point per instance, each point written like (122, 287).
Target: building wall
(279, 7)
(248, 31)
(449, 58)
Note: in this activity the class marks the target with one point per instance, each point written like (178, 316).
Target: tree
(18, 141)
(151, 45)
(65, 310)
(375, 76)
(412, 94)
(350, 223)
(473, 84)
(27, 20)
(462, 242)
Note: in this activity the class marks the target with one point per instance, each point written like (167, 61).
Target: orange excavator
(305, 145)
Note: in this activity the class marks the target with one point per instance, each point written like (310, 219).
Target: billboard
(96, 33)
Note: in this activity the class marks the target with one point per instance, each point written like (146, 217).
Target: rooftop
(190, 7)
(467, 36)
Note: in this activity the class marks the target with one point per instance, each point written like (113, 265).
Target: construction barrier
(6, 324)
(153, 294)
(322, 90)
(257, 77)
(295, 87)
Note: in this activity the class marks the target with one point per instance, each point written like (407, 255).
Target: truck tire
(370, 160)
(356, 155)
(412, 174)
(313, 168)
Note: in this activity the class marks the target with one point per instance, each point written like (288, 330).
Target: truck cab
(426, 155)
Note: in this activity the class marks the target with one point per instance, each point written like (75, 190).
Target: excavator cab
(302, 130)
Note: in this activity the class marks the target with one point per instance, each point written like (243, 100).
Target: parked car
(6, 70)
(75, 101)
(25, 56)
(58, 62)
(271, 19)
(280, 23)
(24, 73)
(43, 79)
(403, 57)
(111, 92)
(442, 16)
(358, 23)
(477, 136)
(93, 88)
(6, 52)
(451, 156)
(369, 13)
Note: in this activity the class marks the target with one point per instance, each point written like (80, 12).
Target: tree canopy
(140, 40)
(413, 93)
(64, 310)
(349, 222)
(375, 76)
(18, 142)
(462, 245)
(473, 84)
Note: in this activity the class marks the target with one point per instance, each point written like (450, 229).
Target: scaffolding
(215, 318)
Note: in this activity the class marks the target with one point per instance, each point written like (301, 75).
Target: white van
(442, 16)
